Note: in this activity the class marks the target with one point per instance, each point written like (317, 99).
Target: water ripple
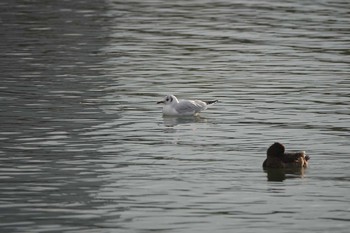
(84, 146)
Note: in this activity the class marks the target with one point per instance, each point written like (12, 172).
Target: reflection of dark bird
(277, 158)
(280, 174)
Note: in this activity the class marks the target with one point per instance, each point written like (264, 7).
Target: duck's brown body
(277, 158)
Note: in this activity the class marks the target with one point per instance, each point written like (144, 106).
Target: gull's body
(175, 107)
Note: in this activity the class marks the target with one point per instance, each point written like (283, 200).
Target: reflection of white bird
(175, 107)
(171, 121)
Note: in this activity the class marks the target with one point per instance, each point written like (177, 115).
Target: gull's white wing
(190, 106)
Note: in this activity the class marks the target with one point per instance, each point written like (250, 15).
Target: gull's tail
(211, 102)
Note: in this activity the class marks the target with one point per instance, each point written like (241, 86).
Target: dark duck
(278, 158)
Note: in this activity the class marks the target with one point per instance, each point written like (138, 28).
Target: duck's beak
(161, 102)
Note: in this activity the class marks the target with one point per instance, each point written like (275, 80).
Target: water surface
(83, 144)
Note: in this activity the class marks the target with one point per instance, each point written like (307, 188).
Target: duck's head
(276, 150)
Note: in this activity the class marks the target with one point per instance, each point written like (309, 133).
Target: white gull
(175, 107)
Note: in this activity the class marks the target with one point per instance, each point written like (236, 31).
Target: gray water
(84, 146)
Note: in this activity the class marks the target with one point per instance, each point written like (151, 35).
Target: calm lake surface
(84, 146)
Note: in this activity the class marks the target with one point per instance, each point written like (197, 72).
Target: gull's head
(169, 99)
